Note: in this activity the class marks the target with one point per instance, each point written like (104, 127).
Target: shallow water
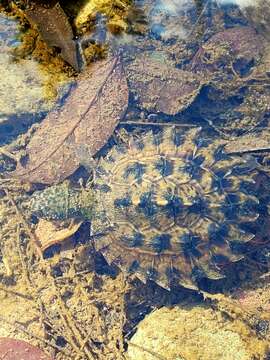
(22, 84)
(183, 190)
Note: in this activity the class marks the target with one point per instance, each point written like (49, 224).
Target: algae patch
(116, 11)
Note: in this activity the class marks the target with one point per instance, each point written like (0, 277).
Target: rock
(194, 333)
(12, 349)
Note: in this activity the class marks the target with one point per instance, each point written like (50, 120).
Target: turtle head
(61, 202)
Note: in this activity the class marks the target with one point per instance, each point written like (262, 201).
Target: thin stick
(29, 333)
(141, 123)
(31, 236)
(8, 154)
(70, 326)
(249, 143)
(23, 263)
(16, 293)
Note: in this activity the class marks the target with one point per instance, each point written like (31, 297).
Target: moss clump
(115, 10)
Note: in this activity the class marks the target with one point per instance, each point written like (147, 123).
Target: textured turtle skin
(170, 207)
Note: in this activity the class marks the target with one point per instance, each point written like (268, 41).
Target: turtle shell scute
(174, 206)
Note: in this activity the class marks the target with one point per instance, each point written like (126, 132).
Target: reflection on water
(164, 19)
(240, 3)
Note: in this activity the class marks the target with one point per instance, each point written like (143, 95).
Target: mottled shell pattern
(170, 207)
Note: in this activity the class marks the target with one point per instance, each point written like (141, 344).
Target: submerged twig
(31, 334)
(142, 123)
(16, 293)
(8, 154)
(199, 18)
(31, 236)
(71, 327)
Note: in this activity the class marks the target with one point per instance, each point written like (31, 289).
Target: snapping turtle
(170, 207)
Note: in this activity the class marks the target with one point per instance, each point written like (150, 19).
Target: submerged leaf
(49, 234)
(89, 117)
(162, 88)
(55, 29)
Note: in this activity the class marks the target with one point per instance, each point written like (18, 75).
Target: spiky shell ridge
(172, 205)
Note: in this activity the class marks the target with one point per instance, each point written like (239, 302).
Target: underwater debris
(254, 298)
(162, 88)
(27, 87)
(194, 333)
(234, 109)
(236, 98)
(248, 303)
(18, 78)
(89, 116)
(54, 28)
(61, 305)
(77, 306)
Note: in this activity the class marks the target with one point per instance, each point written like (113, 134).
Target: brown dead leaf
(55, 29)
(161, 87)
(49, 234)
(88, 117)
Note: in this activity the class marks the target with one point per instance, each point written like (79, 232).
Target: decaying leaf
(48, 234)
(55, 29)
(88, 117)
(162, 88)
